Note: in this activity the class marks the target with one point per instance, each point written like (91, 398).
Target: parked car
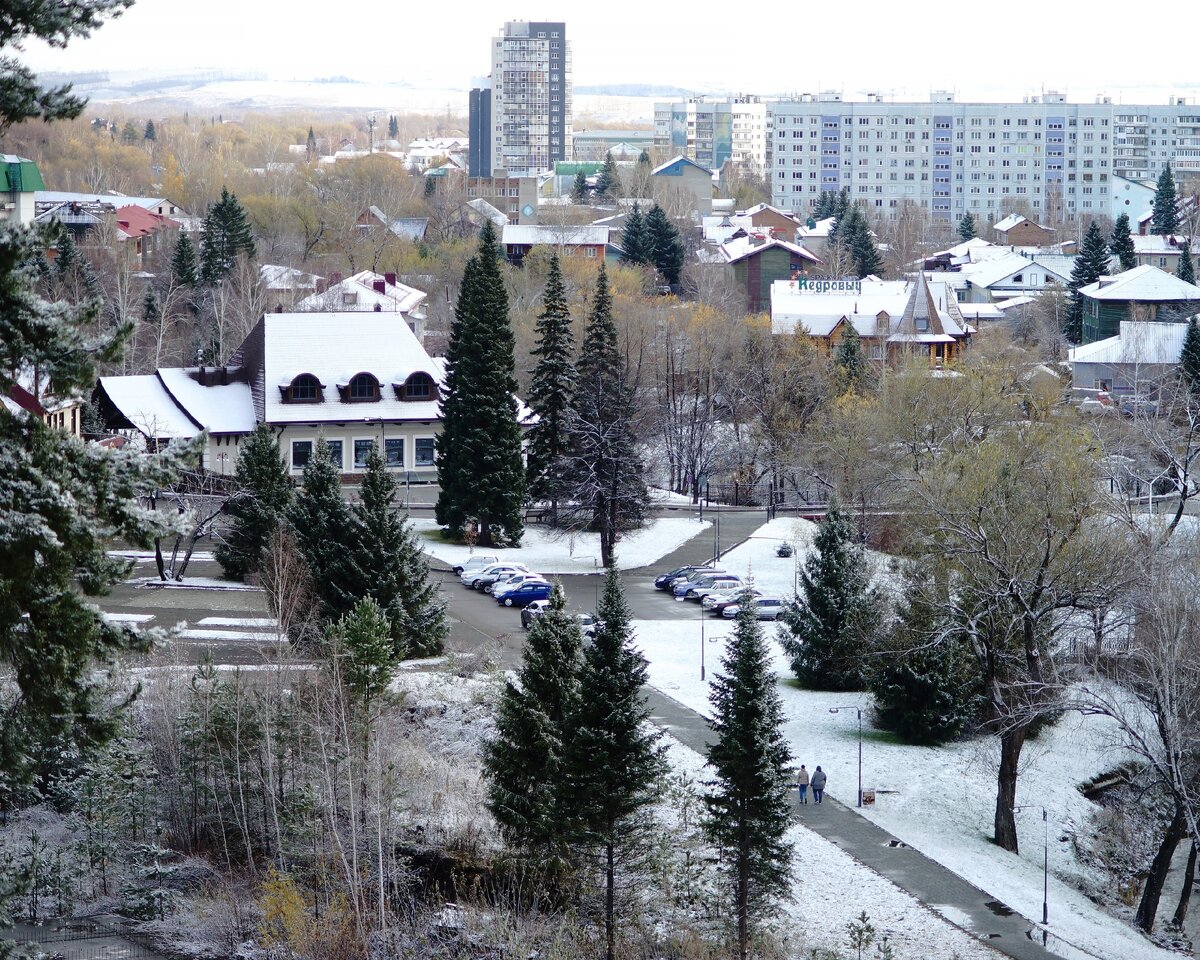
(721, 584)
(527, 592)
(512, 581)
(492, 572)
(1139, 407)
(687, 589)
(766, 608)
(664, 580)
(717, 602)
(531, 611)
(475, 563)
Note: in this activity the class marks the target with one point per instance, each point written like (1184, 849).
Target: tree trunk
(1185, 895)
(485, 533)
(609, 901)
(1147, 909)
(1011, 742)
(743, 893)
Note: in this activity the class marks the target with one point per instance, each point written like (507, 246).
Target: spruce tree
(867, 260)
(748, 805)
(966, 227)
(149, 133)
(393, 567)
(227, 236)
(636, 246)
(579, 190)
(1090, 265)
(328, 534)
(263, 494)
(183, 262)
(1189, 356)
(824, 206)
(524, 763)
(608, 181)
(665, 247)
(1165, 218)
(151, 311)
(834, 619)
(480, 469)
(850, 366)
(1121, 244)
(550, 390)
(1187, 270)
(310, 145)
(393, 127)
(129, 133)
(605, 480)
(612, 765)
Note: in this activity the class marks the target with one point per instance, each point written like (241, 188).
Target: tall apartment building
(528, 112)
(953, 158)
(711, 130)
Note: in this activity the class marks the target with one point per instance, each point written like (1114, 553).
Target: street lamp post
(1045, 857)
(858, 712)
(701, 641)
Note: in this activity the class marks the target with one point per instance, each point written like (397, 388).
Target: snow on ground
(191, 583)
(939, 800)
(550, 552)
(148, 555)
(822, 875)
(670, 498)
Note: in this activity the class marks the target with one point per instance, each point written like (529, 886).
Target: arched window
(363, 387)
(419, 387)
(305, 389)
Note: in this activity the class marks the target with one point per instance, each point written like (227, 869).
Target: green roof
(18, 175)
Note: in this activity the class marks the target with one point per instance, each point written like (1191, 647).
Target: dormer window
(419, 386)
(363, 388)
(303, 389)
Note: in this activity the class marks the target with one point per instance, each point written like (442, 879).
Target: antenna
(371, 121)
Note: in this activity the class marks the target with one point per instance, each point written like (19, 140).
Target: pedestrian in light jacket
(802, 784)
(818, 785)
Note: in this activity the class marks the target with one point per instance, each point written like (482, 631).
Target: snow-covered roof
(1014, 302)
(53, 197)
(486, 210)
(275, 277)
(1153, 244)
(1139, 342)
(145, 402)
(1012, 220)
(1142, 283)
(220, 408)
(818, 230)
(742, 247)
(334, 347)
(761, 207)
(361, 292)
(677, 163)
(818, 314)
(535, 234)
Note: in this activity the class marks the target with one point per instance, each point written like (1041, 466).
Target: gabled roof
(363, 289)
(1154, 244)
(145, 403)
(534, 234)
(764, 207)
(1012, 220)
(1146, 282)
(1139, 342)
(818, 314)
(487, 211)
(275, 277)
(922, 321)
(820, 228)
(134, 221)
(676, 166)
(19, 175)
(741, 248)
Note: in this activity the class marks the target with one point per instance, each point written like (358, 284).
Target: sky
(976, 50)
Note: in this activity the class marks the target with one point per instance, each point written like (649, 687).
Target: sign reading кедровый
(806, 285)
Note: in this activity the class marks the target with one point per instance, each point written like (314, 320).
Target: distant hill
(634, 90)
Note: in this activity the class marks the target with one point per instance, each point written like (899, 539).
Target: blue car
(526, 593)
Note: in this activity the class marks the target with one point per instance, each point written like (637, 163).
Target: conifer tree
(393, 127)
(129, 133)
(367, 655)
(1165, 217)
(327, 533)
(835, 617)
(1090, 265)
(1189, 356)
(612, 766)
(550, 390)
(849, 363)
(151, 311)
(664, 245)
(183, 262)
(579, 190)
(149, 133)
(263, 493)
(524, 763)
(748, 805)
(608, 181)
(393, 567)
(310, 145)
(1121, 244)
(824, 206)
(1187, 270)
(480, 469)
(605, 484)
(857, 236)
(966, 227)
(636, 246)
(227, 236)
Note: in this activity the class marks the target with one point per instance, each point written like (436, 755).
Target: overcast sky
(979, 50)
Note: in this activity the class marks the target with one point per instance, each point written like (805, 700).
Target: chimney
(224, 376)
(379, 308)
(380, 286)
(390, 279)
(203, 381)
(279, 308)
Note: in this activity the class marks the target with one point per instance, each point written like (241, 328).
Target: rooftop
(1142, 283)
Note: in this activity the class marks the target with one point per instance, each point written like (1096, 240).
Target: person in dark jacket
(818, 785)
(802, 784)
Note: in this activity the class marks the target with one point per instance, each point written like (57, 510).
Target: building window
(362, 450)
(304, 389)
(394, 449)
(301, 453)
(423, 452)
(363, 387)
(335, 452)
(418, 387)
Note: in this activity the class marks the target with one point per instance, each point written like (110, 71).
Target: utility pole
(371, 121)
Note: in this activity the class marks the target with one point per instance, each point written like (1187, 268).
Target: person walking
(802, 784)
(818, 785)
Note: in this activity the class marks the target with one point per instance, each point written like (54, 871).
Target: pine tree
(833, 621)
(227, 236)
(579, 191)
(1189, 356)
(1187, 270)
(149, 133)
(1121, 244)
(1090, 265)
(151, 311)
(393, 567)
(328, 535)
(605, 480)
(366, 653)
(1165, 219)
(636, 245)
(480, 469)
(183, 262)
(849, 363)
(612, 766)
(310, 146)
(524, 763)
(129, 133)
(665, 247)
(550, 390)
(748, 805)
(608, 181)
(393, 127)
(263, 494)
(966, 227)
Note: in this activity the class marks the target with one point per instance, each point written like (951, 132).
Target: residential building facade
(981, 158)
(712, 130)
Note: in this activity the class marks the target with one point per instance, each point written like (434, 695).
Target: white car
(475, 563)
(587, 623)
(766, 608)
(474, 579)
(717, 586)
